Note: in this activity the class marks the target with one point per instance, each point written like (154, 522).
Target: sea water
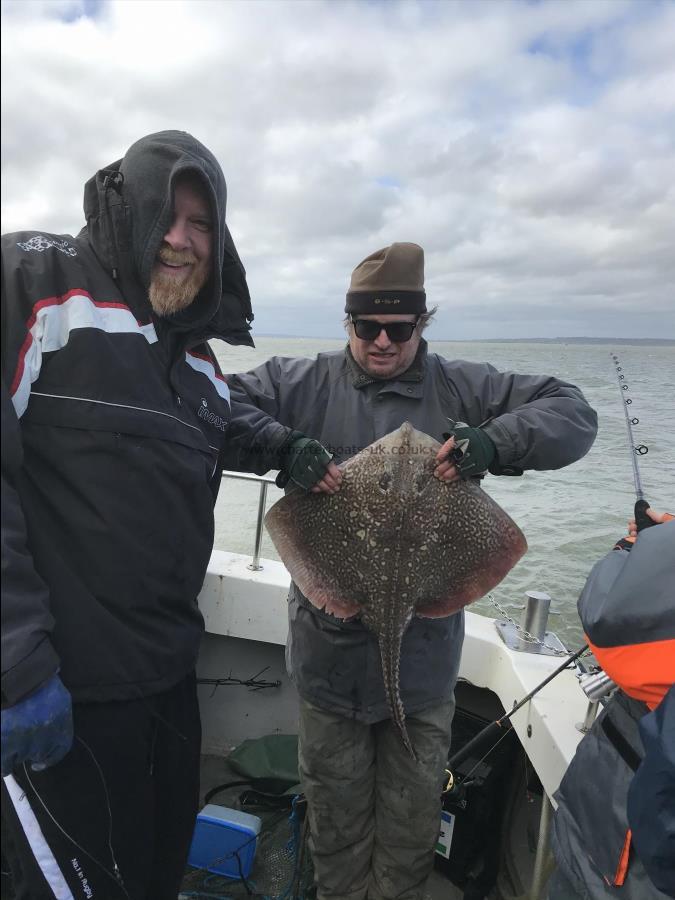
(570, 517)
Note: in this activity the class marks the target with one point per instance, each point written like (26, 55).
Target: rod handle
(642, 520)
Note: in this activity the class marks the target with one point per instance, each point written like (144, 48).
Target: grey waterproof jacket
(536, 423)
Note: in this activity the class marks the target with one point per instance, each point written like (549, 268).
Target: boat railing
(263, 481)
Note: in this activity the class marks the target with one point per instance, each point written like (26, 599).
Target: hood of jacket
(129, 208)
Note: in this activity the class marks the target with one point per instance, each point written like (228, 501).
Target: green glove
(303, 460)
(473, 452)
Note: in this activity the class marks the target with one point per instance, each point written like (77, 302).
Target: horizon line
(519, 340)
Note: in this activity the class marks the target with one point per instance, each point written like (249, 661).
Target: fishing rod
(495, 729)
(635, 450)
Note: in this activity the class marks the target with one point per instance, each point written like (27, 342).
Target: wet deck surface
(521, 850)
(215, 772)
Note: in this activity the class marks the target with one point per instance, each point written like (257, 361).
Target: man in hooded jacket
(115, 417)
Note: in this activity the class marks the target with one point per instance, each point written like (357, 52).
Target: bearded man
(114, 420)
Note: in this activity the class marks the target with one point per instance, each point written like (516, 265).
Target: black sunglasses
(369, 329)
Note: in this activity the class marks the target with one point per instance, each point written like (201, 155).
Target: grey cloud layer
(530, 148)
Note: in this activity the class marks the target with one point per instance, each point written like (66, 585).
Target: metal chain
(530, 638)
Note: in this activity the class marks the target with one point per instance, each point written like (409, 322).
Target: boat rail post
(254, 565)
(530, 634)
(534, 618)
(590, 717)
(540, 873)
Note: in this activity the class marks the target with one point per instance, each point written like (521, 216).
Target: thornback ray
(394, 542)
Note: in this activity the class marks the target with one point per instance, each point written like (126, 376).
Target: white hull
(246, 627)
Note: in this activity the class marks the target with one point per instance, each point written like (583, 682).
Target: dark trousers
(114, 819)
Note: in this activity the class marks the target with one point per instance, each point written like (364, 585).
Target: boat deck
(272, 873)
(274, 865)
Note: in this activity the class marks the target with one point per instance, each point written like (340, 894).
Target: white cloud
(529, 147)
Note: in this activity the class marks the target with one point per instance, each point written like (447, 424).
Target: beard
(169, 294)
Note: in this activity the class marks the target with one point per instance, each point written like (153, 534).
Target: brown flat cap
(389, 281)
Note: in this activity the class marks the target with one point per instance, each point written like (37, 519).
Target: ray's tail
(390, 651)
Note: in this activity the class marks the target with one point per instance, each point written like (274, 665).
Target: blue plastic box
(220, 836)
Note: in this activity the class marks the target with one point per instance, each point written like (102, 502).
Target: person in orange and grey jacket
(114, 420)
(628, 612)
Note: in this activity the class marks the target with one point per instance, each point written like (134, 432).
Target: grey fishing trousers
(374, 812)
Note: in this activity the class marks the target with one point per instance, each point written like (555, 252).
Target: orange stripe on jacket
(622, 868)
(644, 671)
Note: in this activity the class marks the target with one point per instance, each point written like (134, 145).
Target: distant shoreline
(655, 342)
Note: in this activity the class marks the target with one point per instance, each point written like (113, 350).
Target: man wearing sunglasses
(374, 812)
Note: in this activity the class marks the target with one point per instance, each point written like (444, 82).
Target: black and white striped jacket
(113, 427)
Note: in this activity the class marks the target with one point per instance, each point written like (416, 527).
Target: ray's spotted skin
(395, 542)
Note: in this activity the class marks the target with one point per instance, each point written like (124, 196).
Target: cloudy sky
(529, 147)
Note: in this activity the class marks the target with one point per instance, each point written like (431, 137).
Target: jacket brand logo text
(42, 243)
(205, 413)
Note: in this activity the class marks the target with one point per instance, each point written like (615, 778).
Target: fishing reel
(596, 684)
(455, 791)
